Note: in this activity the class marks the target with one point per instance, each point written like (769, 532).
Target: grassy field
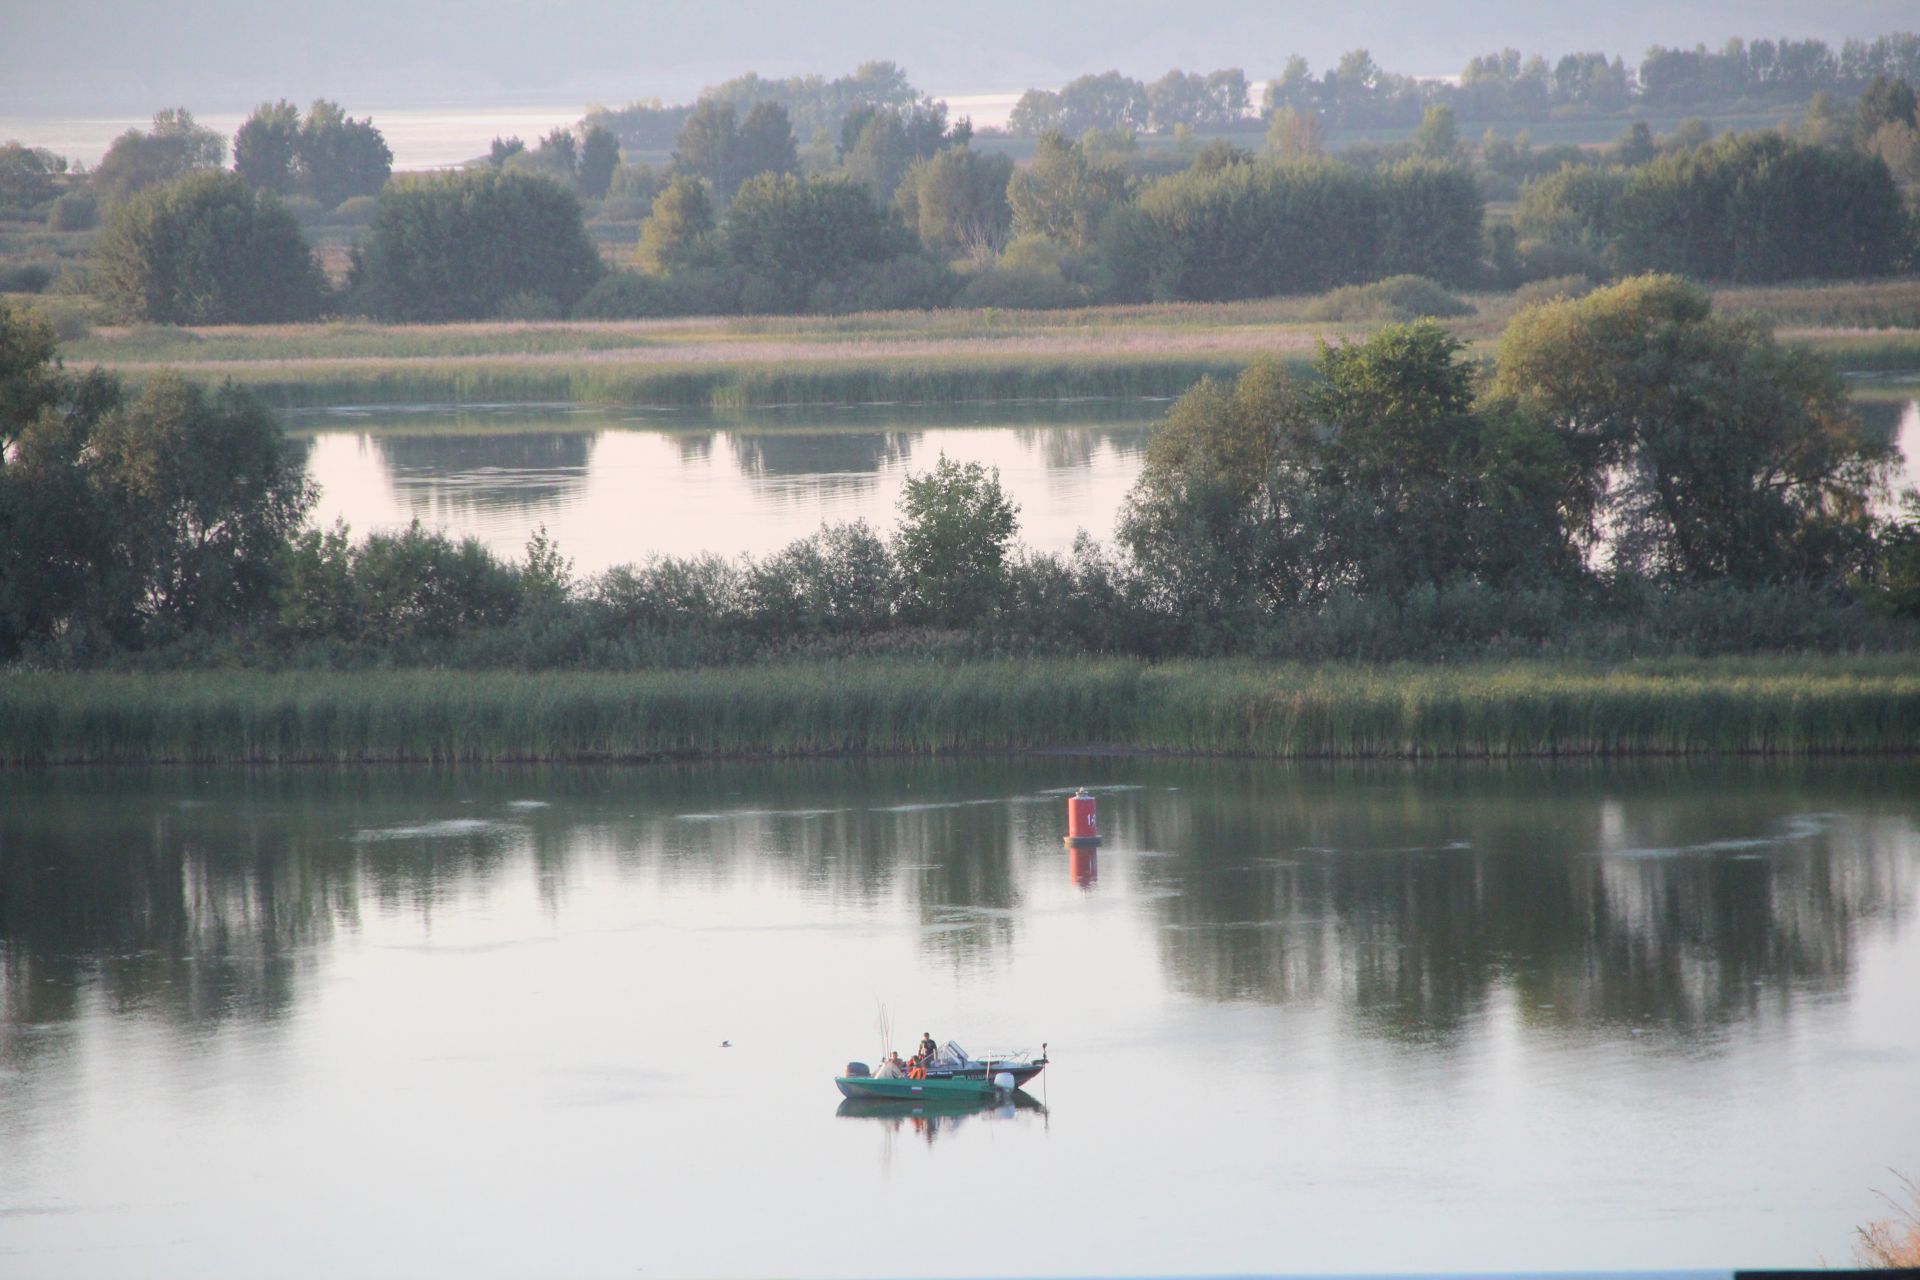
(1772, 706)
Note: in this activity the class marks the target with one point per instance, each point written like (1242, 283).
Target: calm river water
(614, 486)
(407, 1022)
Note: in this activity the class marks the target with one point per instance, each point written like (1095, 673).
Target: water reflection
(1629, 899)
(834, 461)
(453, 480)
(1564, 1008)
(928, 1120)
(1897, 422)
(1626, 899)
(613, 487)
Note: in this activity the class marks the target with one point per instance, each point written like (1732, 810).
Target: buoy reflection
(1083, 865)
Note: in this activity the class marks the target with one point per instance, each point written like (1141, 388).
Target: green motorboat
(901, 1089)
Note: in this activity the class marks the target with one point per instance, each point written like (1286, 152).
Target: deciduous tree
(266, 146)
(457, 246)
(956, 530)
(340, 157)
(206, 250)
(1704, 450)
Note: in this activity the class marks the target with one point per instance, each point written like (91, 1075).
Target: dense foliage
(461, 246)
(329, 157)
(1253, 229)
(174, 147)
(1501, 86)
(1758, 208)
(1635, 475)
(206, 250)
(129, 521)
(1705, 451)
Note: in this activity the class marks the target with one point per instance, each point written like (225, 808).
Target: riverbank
(924, 357)
(1776, 706)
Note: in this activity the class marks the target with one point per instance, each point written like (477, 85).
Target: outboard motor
(857, 1069)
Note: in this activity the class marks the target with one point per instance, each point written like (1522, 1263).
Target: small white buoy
(1004, 1082)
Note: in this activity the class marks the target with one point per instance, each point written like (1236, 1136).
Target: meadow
(1772, 706)
(925, 357)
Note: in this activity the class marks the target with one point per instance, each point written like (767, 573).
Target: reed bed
(1861, 351)
(732, 385)
(1857, 304)
(873, 707)
(359, 339)
(932, 357)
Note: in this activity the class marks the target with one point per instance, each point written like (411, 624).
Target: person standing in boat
(927, 1048)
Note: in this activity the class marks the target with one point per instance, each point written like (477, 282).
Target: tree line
(1633, 473)
(1504, 87)
(914, 217)
(902, 210)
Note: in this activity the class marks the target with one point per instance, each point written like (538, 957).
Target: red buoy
(1083, 825)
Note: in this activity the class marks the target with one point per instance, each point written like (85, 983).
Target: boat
(902, 1089)
(951, 1073)
(953, 1063)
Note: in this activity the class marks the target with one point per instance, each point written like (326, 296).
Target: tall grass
(1890, 351)
(1855, 304)
(1780, 706)
(934, 357)
(354, 339)
(729, 385)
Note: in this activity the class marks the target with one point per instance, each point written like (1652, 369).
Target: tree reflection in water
(455, 479)
(1661, 899)
(1651, 897)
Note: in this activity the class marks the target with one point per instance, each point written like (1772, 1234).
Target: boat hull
(903, 1090)
(1020, 1071)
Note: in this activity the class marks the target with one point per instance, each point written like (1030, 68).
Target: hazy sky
(118, 56)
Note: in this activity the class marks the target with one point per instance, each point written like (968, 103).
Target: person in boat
(916, 1068)
(927, 1047)
(891, 1068)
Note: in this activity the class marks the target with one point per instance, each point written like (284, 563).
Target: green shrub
(622, 209)
(74, 211)
(310, 212)
(841, 581)
(1538, 291)
(625, 295)
(528, 304)
(25, 277)
(357, 211)
(206, 250)
(1020, 289)
(71, 318)
(1546, 260)
(456, 246)
(1395, 298)
(908, 283)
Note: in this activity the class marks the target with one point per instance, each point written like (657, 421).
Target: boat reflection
(929, 1119)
